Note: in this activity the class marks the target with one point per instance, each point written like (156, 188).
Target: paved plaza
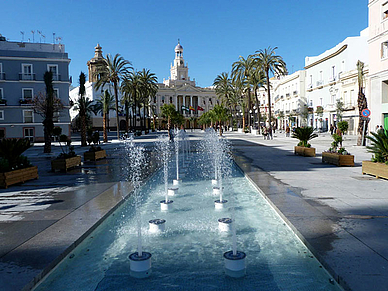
(339, 213)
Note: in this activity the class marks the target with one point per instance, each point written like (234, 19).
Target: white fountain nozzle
(157, 225)
(140, 266)
(219, 204)
(225, 224)
(166, 205)
(176, 182)
(172, 191)
(235, 264)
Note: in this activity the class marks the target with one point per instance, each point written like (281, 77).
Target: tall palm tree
(238, 98)
(112, 71)
(267, 61)
(242, 70)
(149, 88)
(169, 111)
(257, 80)
(362, 104)
(105, 104)
(223, 85)
(84, 107)
(130, 87)
(221, 114)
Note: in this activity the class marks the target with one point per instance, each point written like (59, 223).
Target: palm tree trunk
(105, 136)
(258, 110)
(117, 110)
(362, 104)
(47, 139)
(126, 116)
(243, 121)
(269, 104)
(83, 131)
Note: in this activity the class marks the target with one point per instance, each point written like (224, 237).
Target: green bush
(379, 146)
(343, 126)
(304, 135)
(11, 154)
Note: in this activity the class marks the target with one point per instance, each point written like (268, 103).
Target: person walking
(331, 129)
(287, 131)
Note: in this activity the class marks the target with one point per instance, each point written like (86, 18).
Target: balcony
(26, 77)
(320, 84)
(3, 102)
(332, 79)
(56, 77)
(295, 92)
(2, 76)
(288, 95)
(25, 102)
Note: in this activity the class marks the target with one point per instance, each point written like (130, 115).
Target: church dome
(179, 47)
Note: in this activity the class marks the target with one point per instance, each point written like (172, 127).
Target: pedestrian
(380, 130)
(287, 131)
(377, 128)
(331, 129)
(265, 132)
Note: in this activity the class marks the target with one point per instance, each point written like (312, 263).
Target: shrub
(379, 146)
(11, 154)
(343, 126)
(304, 134)
(67, 149)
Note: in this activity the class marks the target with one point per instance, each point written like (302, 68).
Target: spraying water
(163, 148)
(136, 161)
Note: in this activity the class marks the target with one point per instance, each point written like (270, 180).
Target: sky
(213, 33)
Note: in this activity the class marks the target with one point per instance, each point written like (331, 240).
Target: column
(191, 104)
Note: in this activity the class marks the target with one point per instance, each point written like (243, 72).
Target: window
(27, 93)
(29, 133)
(27, 72)
(162, 99)
(53, 69)
(2, 77)
(56, 93)
(28, 116)
(2, 133)
(56, 116)
(1, 114)
(333, 73)
(384, 10)
(384, 50)
(170, 99)
(1, 94)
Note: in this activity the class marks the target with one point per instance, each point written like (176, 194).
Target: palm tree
(257, 80)
(362, 104)
(221, 115)
(130, 87)
(112, 71)
(149, 88)
(169, 111)
(105, 104)
(223, 87)
(268, 62)
(242, 70)
(84, 107)
(304, 135)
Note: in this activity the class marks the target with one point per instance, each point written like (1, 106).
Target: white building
(323, 79)
(377, 94)
(290, 99)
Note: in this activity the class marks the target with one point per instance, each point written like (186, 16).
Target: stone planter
(303, 151)
(94, 156)
(380, 170)
(65, 164)
(337, 159)
(18, 176)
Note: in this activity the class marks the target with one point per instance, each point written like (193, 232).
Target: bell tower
(94, 63)
(179, 71)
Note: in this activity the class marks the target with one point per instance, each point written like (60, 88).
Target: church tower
(94, 63)
(179, 72)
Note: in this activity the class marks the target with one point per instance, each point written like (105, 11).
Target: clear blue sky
(213, 33)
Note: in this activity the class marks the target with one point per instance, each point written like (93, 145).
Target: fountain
(176, 181)
(140, 262)
(163, 146)
(186, 254)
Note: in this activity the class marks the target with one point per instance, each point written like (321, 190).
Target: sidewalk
(341, 214)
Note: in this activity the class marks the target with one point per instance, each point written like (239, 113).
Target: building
(377, 94)
(325, 75)
(180, 90)
(22, 66)
(290, 100)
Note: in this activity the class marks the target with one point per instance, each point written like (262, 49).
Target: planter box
(65, 164)
(303, 151)
(379, 170)
(338, 160)
(240, 130)
(18, 176)
(94, 156)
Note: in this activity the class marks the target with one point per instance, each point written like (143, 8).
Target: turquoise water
(189, 254)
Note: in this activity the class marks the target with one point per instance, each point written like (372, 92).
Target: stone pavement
(339, 213)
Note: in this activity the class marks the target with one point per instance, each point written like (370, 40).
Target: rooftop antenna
(22, 33)
(33, 35)
(40, 36)
(53, 37)
(44, 38)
